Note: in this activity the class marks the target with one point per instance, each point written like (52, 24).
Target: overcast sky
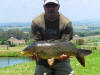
(26, 10)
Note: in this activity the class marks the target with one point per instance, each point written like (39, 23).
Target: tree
(16, 33)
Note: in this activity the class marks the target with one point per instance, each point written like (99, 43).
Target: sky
(26, 10)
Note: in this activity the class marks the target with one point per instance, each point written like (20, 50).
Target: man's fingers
(63, 57)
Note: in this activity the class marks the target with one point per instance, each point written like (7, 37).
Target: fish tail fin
(80, 56)
(81, 60)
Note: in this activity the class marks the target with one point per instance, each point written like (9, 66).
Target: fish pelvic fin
(81, 60)
(51, 61)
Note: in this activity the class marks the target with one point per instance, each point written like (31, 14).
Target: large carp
(54, 49)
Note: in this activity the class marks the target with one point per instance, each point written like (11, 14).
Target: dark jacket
(38, 28)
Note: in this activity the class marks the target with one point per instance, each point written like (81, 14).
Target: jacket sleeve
(35, 33)
(67, 32)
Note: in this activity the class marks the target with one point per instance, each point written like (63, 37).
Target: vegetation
(16, 33)
(79, 29)
(87, 33)
(92, 65)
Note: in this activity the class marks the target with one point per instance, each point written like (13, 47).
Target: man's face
(51, 10)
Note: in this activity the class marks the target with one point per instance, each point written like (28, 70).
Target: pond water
(94, 42)
(8, 61)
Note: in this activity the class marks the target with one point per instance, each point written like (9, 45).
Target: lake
(8, 61)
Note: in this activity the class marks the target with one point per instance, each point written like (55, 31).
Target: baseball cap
(51, 1)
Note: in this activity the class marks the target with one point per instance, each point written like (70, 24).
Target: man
(52, 25)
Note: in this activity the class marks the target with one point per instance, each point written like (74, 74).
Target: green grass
(92, 67)
(19, 69)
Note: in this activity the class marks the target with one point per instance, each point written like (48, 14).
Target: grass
(19, 69)
(92, 67)
(11, 51)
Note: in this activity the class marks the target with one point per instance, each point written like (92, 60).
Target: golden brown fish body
(53, 49)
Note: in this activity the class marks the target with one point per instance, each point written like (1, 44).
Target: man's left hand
(63, 57)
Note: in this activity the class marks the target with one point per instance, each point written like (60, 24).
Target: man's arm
(67, 32)
(35, 33)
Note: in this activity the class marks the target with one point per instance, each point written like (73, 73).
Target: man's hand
(63, 57)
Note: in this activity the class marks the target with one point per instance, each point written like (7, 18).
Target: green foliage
(3, 41)
(14, 33)
(87, 33)
(95, 44)
(29, 42)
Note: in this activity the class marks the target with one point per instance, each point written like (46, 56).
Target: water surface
(8, 61)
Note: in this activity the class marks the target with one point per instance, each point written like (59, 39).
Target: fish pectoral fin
(50, 61)
(81, 60)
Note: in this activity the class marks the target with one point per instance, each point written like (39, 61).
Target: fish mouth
(26, 53)
(22, 52)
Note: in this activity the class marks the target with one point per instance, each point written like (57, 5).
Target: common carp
(53, 50)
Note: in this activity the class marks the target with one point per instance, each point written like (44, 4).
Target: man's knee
(72, 73)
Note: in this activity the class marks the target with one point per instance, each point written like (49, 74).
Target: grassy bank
(11, 51)
(92, 67)
(19, 69)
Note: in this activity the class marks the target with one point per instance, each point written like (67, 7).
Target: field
(92, 67)
(11, 51)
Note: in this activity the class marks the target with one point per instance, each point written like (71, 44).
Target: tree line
(16, 33)
(87, 33)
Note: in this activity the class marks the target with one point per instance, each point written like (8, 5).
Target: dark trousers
(59, 68)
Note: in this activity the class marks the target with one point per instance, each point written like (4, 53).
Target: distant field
(92, 67)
